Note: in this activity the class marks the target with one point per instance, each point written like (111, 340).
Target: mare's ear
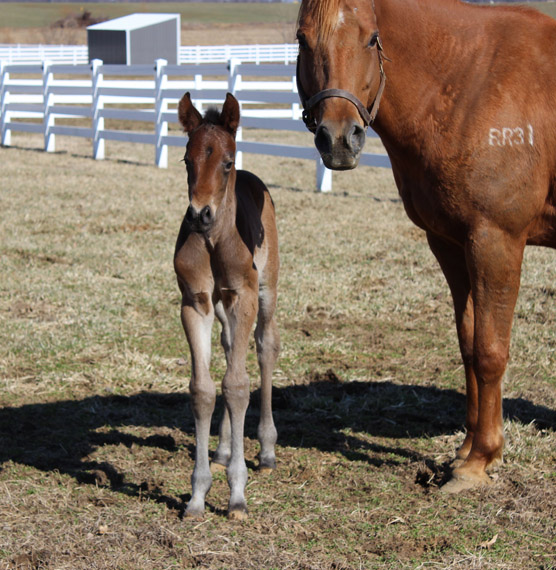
(229, 116)
(189, 117)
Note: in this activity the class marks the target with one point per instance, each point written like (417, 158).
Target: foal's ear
(229, 116)
(189, 117)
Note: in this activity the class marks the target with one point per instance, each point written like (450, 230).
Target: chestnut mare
(226, 263)
(468, 117)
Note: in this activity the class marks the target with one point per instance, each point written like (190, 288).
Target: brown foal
(467, 114)
(226, 262)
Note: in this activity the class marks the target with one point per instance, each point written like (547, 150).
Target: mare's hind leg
(494, 262)
(267, 339)
(221, 456)
(197, 318)
(454, 266)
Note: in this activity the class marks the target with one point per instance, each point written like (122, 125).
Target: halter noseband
(367, 116)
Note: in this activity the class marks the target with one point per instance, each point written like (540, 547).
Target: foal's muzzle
(340, 145)
(199, 220)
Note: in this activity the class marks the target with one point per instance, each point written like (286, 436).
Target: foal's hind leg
(197, 319)
(267, 339)
(221, 456)
(241, 307)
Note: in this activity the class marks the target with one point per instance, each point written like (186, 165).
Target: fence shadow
(61, 436)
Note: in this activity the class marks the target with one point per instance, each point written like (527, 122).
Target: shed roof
(133, 22)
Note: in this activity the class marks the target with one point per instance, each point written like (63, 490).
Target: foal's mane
(323, 12)
(212, 116)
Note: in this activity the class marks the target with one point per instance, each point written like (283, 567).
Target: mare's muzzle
(199, 221)
(340, 145)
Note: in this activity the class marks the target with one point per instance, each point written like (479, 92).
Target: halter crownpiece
(367, 116)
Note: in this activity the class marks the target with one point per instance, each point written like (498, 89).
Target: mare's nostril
(323, 140)
(356, 138)
(206, 216)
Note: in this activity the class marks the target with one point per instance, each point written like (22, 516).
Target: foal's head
(339, 75)
(209, 158)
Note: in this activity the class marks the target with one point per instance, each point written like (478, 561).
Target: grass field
(96, 436)
(202, 22)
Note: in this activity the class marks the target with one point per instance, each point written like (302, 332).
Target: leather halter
(367, 116)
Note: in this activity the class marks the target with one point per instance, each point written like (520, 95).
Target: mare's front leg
(241, 308)
(494, 261)
(197, 317)
(451, 258)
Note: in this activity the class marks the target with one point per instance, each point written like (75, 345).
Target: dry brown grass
(95, 430)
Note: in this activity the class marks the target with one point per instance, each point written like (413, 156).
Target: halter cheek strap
(367, 116)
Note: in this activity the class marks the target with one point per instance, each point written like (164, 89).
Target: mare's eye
(302, 40)
(374, 40)
(228, 166)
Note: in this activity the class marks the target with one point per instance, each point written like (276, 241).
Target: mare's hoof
(459, 483)
(494, 464)
(217, 467)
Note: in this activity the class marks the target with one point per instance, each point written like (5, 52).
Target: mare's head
(209, 158)
(339, 75)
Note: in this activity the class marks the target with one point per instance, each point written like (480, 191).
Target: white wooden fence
(256, 53)
(34, 97)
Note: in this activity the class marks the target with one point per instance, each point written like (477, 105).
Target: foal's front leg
(197, 318)
(241, 308)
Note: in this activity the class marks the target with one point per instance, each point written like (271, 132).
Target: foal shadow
(326, 415)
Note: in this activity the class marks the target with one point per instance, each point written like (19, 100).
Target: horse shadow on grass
(326, 415)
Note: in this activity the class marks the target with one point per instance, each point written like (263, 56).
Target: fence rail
(78, 54)
(35, 98)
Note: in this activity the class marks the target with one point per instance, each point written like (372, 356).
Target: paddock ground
(96, 436)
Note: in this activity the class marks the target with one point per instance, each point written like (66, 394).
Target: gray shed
(135, 39)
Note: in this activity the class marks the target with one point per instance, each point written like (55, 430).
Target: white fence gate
(33, 97)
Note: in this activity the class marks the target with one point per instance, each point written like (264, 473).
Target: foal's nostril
(356, 138)
(206, 216)
(190, 214)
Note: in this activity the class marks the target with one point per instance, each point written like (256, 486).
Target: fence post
(161, 106)
(295, 106)
(5, 133)
(234, 85)
(324, 177)
(198, 86)
(98, 105)
(48, 102)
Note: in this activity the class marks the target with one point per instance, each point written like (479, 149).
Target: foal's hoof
(193, 513)
(461, 482)
(237, 514)
(267, 467)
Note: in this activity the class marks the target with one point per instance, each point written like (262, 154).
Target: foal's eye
(228, 166)
(302, 40)
(374, 40)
